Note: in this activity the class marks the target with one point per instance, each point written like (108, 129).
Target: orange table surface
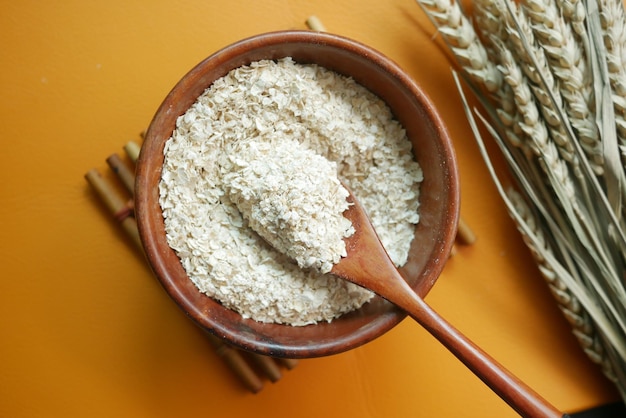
(85, 330)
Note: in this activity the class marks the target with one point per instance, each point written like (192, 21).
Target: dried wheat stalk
(558, 116)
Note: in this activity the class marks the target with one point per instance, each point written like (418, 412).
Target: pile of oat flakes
(324, 112)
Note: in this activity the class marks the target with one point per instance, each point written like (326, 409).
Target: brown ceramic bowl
(434, 234)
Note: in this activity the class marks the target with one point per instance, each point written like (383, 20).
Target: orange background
(84, 328)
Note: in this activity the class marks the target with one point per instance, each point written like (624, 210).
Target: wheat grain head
(567, 62)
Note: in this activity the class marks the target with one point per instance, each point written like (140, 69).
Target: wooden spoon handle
(512, 390)
(368, 265)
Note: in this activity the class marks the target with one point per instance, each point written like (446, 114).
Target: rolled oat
(324, 112)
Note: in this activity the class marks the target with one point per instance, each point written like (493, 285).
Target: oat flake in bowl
(323, 111)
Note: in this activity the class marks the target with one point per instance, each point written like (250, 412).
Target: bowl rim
(148, 168)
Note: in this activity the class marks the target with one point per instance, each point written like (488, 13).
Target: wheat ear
(574, 12)
(567, 62)
(488, 23)
(534, 63)
(553, 167)
(612, 18)
(473, 58)
(535, 128)
(463, 41)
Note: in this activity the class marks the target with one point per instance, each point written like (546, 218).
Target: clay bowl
(434, 234)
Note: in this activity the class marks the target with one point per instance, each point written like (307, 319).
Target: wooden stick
(116, 204)
(125, 174)
(465, 234)
(288, 363)
(237, 364)
(132, 149)
(267, 365)
(314, 23)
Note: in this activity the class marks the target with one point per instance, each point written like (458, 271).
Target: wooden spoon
(368, 265)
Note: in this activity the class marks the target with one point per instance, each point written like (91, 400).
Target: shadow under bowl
(439, 193)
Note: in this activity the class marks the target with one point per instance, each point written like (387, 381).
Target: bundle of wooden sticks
(250, 368)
